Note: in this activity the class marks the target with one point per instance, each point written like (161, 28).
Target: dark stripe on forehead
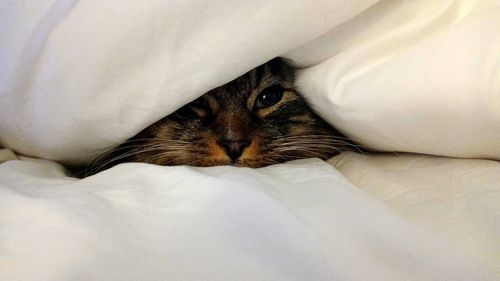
(259, 74)
(278, 67)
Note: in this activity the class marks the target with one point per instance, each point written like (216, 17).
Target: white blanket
(80, 76)
(296, 221)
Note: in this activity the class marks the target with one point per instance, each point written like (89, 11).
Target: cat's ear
(282, 68)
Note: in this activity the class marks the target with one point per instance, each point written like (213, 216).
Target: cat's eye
(269, 97)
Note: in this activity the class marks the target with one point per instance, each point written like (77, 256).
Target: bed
(416, 82)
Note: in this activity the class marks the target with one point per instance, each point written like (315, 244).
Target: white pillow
(408, 77)
(80, 76)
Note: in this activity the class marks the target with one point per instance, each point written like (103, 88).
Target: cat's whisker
(316, 138)
(271, 160)
(149, 139)
(133, 152)
(336, 143)
(312, 144)
(309, 136)
(307, 148)
(318, 151)
(122, 147)
(281, 156)
(154, 159)
(92, 164)
(194, 162)
(312, 136)
(305, 141)
(107, 153)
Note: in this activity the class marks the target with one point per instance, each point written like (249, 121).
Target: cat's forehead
(274, 72)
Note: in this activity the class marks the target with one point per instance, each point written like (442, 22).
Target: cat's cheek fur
(216, 155)
(252, 155)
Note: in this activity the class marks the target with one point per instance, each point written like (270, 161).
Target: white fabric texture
(79, 77)
(414, 76)
(459, 198)
(297, 221)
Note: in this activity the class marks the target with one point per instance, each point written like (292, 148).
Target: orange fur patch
(252, 151)
(217, 153)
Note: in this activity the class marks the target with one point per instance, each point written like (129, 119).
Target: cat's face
(256, 120)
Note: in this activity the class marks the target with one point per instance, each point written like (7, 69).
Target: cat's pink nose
(234, 148)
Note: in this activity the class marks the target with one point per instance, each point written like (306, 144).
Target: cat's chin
(245, 163)
(250, 163)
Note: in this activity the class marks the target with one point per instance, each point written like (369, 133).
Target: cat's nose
(234, 148)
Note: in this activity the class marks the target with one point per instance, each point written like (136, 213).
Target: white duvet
(80, 76)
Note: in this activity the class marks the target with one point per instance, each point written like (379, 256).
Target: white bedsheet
(80, 76)
(297, 221)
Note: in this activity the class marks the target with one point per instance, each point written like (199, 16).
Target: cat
(256, 120)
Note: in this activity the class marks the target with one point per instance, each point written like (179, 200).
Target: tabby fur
(235, 125)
